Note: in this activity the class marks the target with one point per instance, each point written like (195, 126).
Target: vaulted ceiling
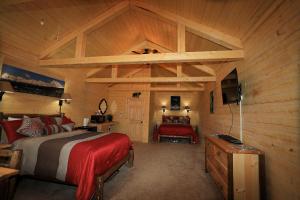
(35, 25)
(20, 22)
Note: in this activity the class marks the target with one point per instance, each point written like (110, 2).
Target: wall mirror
(103, 106)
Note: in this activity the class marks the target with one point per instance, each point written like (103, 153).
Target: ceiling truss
(166, 55)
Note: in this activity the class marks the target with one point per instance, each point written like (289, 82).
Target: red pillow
(10, 128)
(66, 120)
(48, 120)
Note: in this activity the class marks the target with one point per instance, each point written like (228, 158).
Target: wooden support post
(80, 45)
(114, 71)
(130, 159)
(99, 188)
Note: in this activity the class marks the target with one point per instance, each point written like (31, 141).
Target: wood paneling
(270, 76)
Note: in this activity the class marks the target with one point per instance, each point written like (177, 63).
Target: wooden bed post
(130, 159)
(99, 188)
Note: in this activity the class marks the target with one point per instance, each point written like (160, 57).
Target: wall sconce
(66, 97)
(188, 109)
(5, 87)
(164, 109)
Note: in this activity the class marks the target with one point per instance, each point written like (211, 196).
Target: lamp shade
(66, 96)
(5, 86)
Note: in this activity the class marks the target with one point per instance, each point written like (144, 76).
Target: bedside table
(7, 182)
(105, 127)
(88, 128)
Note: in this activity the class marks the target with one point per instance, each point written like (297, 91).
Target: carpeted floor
(161, 172)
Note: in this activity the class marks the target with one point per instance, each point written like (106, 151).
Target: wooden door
(136, 119)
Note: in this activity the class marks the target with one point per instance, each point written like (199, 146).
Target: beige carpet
(161, 172)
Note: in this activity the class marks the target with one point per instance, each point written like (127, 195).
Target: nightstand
(105, 127)
(88, 128)
(7, 182)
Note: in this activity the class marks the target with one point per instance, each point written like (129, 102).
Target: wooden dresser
(238, 172)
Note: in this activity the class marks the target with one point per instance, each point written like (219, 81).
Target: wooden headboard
(21, 115)
(173, 119)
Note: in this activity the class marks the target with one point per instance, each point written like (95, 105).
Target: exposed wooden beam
(166, 89)
(128, 51)
(90, 25)
(180, 37)
(80, 45)
(179, 70)
(205, 69)
(152, 79)
(114, 71)
(207, 56)
(176, 89)
(131, 73)
(174, 71)
(201, 30)
(13, 2)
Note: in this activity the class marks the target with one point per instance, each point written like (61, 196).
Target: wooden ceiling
(20, 22)
(35, 25)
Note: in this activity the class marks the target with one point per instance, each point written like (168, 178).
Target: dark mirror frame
(101, 111)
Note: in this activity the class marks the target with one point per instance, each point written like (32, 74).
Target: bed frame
(99, 179)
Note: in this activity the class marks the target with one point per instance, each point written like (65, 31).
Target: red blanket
(95, 157)
(176, 130)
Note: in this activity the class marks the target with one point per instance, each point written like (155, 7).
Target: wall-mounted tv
(230, 88)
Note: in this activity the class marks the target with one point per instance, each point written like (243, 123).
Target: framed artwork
(211, 102)
(175, 103)
(29, 82)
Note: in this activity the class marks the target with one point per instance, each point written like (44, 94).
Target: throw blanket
(73, 157)
(176, 130)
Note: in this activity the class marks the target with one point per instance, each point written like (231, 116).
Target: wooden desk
(7, 182)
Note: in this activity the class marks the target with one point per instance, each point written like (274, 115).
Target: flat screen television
(230, 88)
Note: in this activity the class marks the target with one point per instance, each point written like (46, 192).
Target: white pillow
(68, 127)
(13, 118)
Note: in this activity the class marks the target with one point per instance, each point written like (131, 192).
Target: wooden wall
(118, 106)
(158, 99)
(270, 76)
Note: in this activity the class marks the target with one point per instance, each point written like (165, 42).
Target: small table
(7, 182)
(88, 128)
(105, 127)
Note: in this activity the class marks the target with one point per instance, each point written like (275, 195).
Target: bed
(175, 127)
(81, 158)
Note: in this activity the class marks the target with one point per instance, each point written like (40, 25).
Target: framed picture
(30, 82)
(175, 103)
(211, 102)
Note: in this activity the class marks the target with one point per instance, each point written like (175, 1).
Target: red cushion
(66, 120)
(48, 120)
(10, 128)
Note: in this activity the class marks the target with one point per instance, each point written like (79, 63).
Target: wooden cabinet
(105, 127)
(237, 170)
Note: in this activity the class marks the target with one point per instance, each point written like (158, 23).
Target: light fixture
(164, 109)
(5, 87)
(187, 108)
(66, 97)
